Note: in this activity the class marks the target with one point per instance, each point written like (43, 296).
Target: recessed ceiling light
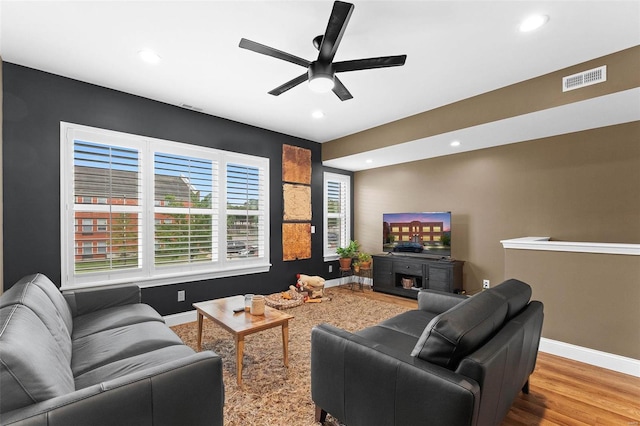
(149, 56)
(317, 114)
(533, 22)
(368, 161)
(455, 143)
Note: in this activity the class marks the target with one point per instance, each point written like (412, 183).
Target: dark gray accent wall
(35, 103)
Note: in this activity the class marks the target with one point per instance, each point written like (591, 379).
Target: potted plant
(364, 259)
(347, 253)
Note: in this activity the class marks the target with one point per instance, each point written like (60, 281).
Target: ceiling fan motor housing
(316, 70)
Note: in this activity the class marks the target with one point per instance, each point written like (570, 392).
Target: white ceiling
(455, 50)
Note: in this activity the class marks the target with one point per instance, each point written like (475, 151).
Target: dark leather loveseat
(99, 357)
(454, 361)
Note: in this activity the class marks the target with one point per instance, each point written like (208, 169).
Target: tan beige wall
(525, 97)
(577, 187)
(591, 300)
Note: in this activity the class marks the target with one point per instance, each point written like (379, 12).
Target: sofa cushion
(117, 316)
(411, 322)
(438, 301)
(395, 340)
(98, 349)
(54, 294)
(26, 293)
(32, 366)
(86, 300)
(452, 335)
(132, 364)
(516, 293)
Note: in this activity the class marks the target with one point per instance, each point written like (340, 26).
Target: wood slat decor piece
(297, 202)
(296, 164)
(296, 241)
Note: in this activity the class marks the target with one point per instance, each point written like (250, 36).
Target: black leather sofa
(99, 357)
(454, 361)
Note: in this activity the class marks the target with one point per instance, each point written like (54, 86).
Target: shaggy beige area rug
(272, 394)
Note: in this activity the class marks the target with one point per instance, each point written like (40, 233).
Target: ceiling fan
(321, 73)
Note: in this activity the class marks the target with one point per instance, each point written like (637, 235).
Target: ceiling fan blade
(270, 51)
(289, 85)
(340, 90)
(369, 63)
(338, 21)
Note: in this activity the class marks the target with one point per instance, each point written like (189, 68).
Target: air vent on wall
(585, 78)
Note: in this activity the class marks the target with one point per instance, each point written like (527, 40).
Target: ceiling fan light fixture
(320, 77)
(321, 84)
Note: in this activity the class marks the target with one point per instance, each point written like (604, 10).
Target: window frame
(345, 215)
(149, 274)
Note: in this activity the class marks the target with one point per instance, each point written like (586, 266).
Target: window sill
(176, 278)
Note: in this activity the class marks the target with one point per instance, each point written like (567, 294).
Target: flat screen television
(424, 233)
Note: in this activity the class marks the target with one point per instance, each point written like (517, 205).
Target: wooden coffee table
(241, 324)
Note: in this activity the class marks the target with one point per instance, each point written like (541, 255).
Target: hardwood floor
(565, 392)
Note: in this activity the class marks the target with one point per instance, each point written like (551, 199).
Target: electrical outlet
(330, 268)
(181, 295)
(486, 283)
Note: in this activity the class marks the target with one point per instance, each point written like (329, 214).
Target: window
(244, 211)
(337, 213)
(183, 209)
(87, 249)
(157, 211)
(87, 225)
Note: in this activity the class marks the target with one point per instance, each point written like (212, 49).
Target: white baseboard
(336, 282)
(332, 283)
(180, 318)
(606, 360)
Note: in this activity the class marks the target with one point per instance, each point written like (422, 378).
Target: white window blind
(337, 212)
(106, 189)
(183, 209)
(157, 212)
(245, 211)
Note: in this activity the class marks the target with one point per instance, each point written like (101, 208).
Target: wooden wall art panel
(296, 241)
(297, 202)
(296, 164)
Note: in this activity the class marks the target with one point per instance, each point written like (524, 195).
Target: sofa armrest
(362, 383)
(438, 301)
(88, 300)
(186, 391)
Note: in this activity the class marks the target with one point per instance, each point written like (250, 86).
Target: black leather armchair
(453, 361)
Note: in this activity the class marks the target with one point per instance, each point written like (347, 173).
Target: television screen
(426, 233)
